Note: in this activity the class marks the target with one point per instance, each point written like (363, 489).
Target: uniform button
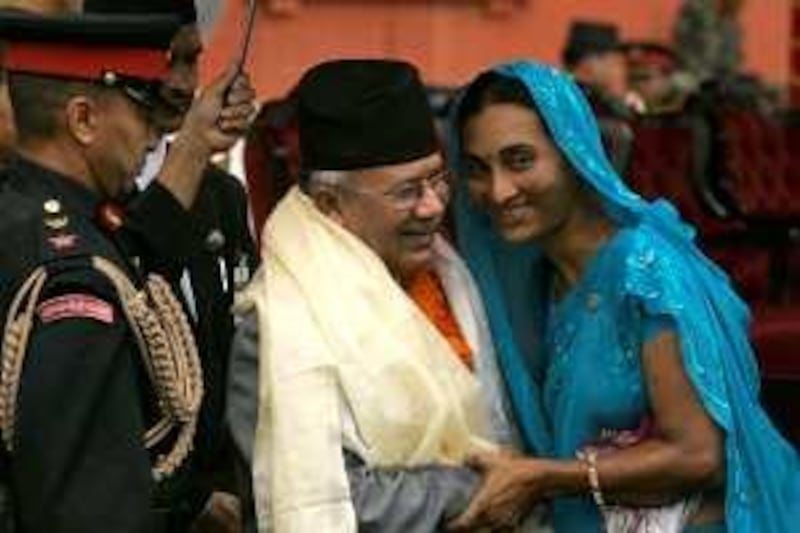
(52, 207)
(215, 240)
(109, 78)
(57, 222)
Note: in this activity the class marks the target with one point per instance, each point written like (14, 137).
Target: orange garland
(428, 293)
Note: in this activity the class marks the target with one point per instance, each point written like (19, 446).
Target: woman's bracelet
(589, 457)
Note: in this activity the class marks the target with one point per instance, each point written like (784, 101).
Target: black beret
(129, 52)
(362, 113)
(587, 38)
(185, 9)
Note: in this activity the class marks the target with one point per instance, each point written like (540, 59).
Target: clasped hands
(512, 485)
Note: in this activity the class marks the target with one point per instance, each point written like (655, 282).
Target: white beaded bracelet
(590, 458)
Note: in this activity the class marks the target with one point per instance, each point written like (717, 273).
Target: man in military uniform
(102, 413)
(220, 252)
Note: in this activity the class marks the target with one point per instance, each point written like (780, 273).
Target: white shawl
(335, 328)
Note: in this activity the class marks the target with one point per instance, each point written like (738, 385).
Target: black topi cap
(126, 52)
(362, 113)
(185, 9)
(588, 38)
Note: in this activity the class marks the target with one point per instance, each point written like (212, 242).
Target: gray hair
(326, 178)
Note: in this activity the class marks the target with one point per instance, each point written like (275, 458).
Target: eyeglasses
(406, 195)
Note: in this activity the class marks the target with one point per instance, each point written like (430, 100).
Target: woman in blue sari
(609, 322)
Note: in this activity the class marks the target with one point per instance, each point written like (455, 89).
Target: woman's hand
(511, 486)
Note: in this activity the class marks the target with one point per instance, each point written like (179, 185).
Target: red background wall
(450, 39)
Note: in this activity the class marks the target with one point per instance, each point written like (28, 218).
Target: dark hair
(36, 101)
(492, 88)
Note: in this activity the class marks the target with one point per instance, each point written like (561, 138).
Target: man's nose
(431, 204)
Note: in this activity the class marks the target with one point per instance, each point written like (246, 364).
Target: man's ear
(82, 119)
(328, 201)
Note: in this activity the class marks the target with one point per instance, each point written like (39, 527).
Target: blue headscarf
(763, 471)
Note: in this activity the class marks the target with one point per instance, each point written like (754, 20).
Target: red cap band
(87, 62)
(653, 59)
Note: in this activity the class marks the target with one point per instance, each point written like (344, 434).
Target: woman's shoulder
(634, 247)
(645, 264)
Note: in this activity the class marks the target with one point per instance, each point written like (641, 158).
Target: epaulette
(64, 237)
(34, 233)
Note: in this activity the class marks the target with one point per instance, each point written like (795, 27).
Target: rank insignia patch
(75, 305)
(61, 243)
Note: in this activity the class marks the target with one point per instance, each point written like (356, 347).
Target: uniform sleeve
(410, 500)
(164, 232)
(79, 464)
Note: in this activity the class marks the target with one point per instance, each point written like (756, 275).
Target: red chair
(755, 157)
(669, 160)
(271, 158)
(791, 134)
(776, 337)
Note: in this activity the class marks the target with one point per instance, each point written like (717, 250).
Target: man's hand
(216, 120)
(511, 487)
(222, 112)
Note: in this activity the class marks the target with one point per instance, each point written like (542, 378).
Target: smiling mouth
(419, 239)
(511, 216)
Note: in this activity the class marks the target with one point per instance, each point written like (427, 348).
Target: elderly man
(376, 369)
(99, 366)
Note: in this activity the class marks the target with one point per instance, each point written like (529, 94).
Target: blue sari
(573, 369)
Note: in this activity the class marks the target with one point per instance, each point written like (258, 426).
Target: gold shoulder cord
(165, 341)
